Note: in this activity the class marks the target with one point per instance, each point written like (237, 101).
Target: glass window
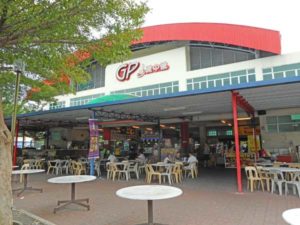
(271, 119)
(243, 79)
(267, 77)
(290, 73)
(284, 119)
(196, 86)
(212, 133)
(205, 57)
(272, 128)
(218, 83)
(226, 81)
(251, 78)
(278, 75)
(203, 85)
(211, 84)
(234, 80)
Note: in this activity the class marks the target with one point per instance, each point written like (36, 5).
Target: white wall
(175, 58)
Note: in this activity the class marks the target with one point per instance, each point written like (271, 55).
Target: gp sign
(125, 71)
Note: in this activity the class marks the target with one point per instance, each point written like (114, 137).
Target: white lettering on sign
(126, 70)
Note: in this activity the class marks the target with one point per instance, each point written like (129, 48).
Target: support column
(184, 133)
(159, 139)
(236, 141)
(16, 143)
(202, 135)
(106, 137)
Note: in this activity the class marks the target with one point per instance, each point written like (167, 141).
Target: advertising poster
(94, 139)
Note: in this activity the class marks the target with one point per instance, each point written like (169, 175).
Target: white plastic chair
(295, 183)
(277, 180)
(134, 169)
(168, 174)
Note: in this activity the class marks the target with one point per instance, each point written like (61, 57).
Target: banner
(94, 139)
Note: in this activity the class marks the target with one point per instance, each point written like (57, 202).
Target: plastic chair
(24, 167)
(151, 173)
(277, 180)
(168, 174)
(252, 178)
(264, 176)
(295, 183)
(177, 172)
(54, 165)
(123, 171)
(134, 169)
(64, 166)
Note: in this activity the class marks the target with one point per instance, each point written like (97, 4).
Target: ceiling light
(223, 121)
(244, 118)
(229, 124)
(173, 128)
(148, 128)
(174, 108)
(192, 113)
(162, 126)
(135, 127)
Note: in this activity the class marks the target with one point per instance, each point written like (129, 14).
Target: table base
(28, 189)
(25, 187)
(69, 202)
(72, 201)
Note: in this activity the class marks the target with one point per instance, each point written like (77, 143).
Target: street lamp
(19, 68)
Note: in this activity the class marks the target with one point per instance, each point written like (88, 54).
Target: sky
(280, 15)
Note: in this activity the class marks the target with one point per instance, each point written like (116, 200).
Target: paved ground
(208, 200)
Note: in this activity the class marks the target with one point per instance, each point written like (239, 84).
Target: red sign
(126, 70)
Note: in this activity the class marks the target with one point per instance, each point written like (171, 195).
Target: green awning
(111, 98)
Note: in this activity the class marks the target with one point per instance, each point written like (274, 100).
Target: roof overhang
(182, 106)
(236, 35)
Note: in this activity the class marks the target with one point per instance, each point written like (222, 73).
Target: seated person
(177, 156)
(167, 159)
(141, 158)
(112, 158)
(192, 158)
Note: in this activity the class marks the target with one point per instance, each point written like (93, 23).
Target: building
(185, 74)
(201, 56)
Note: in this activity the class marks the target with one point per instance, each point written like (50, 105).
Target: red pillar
(16, 144)
(184, 131)
(236, 141)
(106, 137)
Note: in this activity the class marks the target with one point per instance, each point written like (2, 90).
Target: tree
(56, 39)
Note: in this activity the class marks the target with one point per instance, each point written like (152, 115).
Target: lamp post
(19, 68)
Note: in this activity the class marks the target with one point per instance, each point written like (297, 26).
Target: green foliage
(46, 33)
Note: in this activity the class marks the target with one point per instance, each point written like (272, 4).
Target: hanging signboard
(94, 139)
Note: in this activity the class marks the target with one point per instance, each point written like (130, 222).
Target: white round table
(149, 193)
(292, 216)
(25, 173)
(72, 180)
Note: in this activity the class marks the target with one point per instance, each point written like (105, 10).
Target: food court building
(211, 82)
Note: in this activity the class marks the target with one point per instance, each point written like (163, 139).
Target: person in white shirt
(141, 158)
(112, 158)
(167, 159)
(192, 159)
